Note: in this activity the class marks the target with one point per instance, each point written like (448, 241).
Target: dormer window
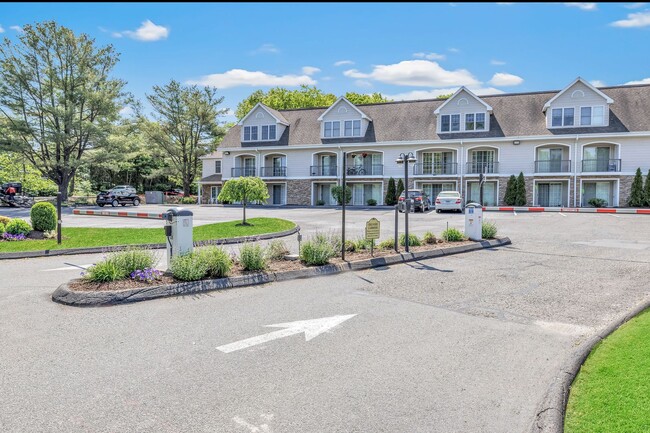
(463, 112)
(343, 119)
(252, 133)
(351, 128)
(592, 116)
(475, 122)
(332, 129)
(577, 105)
(562, 117)
(268, 132)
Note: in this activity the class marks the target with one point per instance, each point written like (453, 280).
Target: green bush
(362, 244)
(597, 202)
(337, 194)
(320, 202)
(429, 238)
(189, 267)
(453, 235)
(218, 261)
(414, 241)
(252, 257)
(276, 250)
(104, 272)
(43, 216)
(3, 229)
(317, 251)
(133, 259)
(350, 246)
(387, 244)
(371, 202)
(18, 226)
(4, 220)
(489, 230)
(188, 200)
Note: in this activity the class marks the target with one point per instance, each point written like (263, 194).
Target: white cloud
(497, 62)
(416, 73)
(2, 30)
(635, 5)
(434, 93)
(242, 77)
(639, 19)
(643, 81)
(505, 79)
(310, 70)
(326, 78)
(147, 32)
(430, 56)
(344, 62)
(583, 6)
(453, 50)
(266, 49)
(363, 83)
(16, 28)
(597, 83)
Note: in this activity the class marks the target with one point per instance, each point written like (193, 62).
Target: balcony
(433, 169)
(592, 165)
(278, 171)
(242, 171)
(365, 170)
(323, 170)
(553, 166)
(482, 167)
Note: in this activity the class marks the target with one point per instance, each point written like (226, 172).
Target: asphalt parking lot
(465, 343)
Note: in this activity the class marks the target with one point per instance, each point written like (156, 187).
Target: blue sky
(406, 51)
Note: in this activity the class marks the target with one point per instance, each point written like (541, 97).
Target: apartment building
(572, 145)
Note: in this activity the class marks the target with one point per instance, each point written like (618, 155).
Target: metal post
(343, 200)
(58, 218)
(406, 203)
(396, 229)
(480, 186)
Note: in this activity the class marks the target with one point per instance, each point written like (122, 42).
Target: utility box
(474, 221)
(178, 229)
(153, 197)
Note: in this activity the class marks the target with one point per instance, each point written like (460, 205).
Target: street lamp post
(405, 158)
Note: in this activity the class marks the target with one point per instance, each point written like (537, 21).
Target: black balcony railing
(482, 167)
(274, 171)
(323, 170)
(242, 171)
(553, 166)
(601, 165)
(435, 169)
(365, 170)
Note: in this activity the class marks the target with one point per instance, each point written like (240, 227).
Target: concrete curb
(549, 417)
(94, 250)
(628, 211)
(64, 295)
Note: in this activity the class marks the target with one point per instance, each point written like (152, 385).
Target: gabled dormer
(579, 105)
(463, 112)
(343, 120)
(262, 124)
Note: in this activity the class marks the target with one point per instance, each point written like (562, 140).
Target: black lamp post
(405, 158)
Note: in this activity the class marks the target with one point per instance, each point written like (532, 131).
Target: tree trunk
(244, 208)
(71, 187)
(186, 187)
(63, 187)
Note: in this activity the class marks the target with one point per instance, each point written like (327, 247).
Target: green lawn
(611, 394)
(79, 237)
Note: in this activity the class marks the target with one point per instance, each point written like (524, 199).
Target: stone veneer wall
(299, 192)
(205, 192)
(624, 188)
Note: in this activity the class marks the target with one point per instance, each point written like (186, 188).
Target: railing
(482, 167)
(242, 171)
(365, 170)
(323, 170)
(601, 165)
(553, 166)
(274, 171)
(435, 169)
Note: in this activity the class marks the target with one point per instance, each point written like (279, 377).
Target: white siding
(575, 97)
(260, 117)
(208, 167)
(464, 103)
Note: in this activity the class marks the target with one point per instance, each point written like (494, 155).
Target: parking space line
(613, 215)
(560, 213)
(514, 212)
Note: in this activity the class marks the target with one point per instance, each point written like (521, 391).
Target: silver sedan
(449, 200)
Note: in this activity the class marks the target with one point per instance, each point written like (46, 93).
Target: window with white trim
(592, 116)
(444, 123)
(455, 122)
(562, 117)
(260, 133)
(352, 128)
(217, 167)
(475, 122)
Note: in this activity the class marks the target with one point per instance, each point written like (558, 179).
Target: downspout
(575, 173)
(462, 170)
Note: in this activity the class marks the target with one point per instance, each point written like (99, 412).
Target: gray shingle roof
(517, 114)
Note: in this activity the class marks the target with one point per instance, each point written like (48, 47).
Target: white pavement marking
(263, 428)
(614, 215)
(514, 212)
(312, 328)
(69, 268)
(560, 213)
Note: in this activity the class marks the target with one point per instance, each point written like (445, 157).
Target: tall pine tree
(511, 191)
(391, 195)
(646, 189)
(400, 189)
(637, 198)
(520, 197)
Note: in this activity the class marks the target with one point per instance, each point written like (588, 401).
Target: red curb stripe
(122, 214)
(90, 212)
(142, 215)
(506, 209)
(535, 209)
(605, 210)
(645, 211)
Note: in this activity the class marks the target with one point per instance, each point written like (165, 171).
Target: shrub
(10, 237)
(414, 241)
(399, 189)
(50, 234)
(520, 191)
(387, 244)
(511, 191)
(337, 194)
(3, 229)
(18, 226)
(317, 251)
(188, 200)
(350, 246)
(429, 238)
(133, 259)
(4, 220)
(217, 260)
(453, 235)
(276, 250)
(362, 244)
(489, 230)
(252, 258)
(43, 216)
(371, 202)
(189, 267)
(104, 272)
(391, 199)
(637, 196)
(320, 202)
(597, 202)
(148, 275)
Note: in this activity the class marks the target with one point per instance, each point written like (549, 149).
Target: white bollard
(178, 229)
(474, 221)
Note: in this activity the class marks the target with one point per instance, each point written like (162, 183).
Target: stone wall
(299, 192)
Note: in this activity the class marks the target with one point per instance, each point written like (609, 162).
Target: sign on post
(372, 233)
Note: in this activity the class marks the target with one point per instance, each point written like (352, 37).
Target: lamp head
(400, 160)
(412, 158)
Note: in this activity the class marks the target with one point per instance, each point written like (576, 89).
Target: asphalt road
(466, 343)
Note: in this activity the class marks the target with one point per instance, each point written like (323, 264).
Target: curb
(549, 417)
(64, 295)
(628, 211)
(94, 250)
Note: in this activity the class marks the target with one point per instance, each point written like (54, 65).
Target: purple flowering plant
(10, 237)
(147, 275)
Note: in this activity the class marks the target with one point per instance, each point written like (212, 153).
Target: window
(356, 128)
(265, 132)
(455, 122)
(217, 167)
(475, 122)
(271, 132)
(562, 117)
(469, 122)
(352, 128)
(593, 116)
(480, 121)
(348, 128)
(253, 133)
(557, 117)
(328, 129)
(585, 116)
(247, 133)
(444, 123)
(332, 129)
(568, 117)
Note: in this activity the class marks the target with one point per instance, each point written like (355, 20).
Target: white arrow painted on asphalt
(311, 328)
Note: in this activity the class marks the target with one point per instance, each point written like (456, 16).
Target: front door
(249, 167)
(549, 195)
(277, 194)
(357, 194)
(214, 193)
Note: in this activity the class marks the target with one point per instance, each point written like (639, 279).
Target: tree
(244, 190)
(520, 195)
(280, 98)
(185, 126)
(57, 99)
(511, 191)
(14, 167)
(391, 195)
(637, 198)
(445, 96)
(337, 194)
(646, 189)
(400, 189)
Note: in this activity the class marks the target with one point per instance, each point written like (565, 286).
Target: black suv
(121, 194)
(419, 201)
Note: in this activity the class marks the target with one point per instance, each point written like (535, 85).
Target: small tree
(337, 193)
(400, 189)
(646, 189)
(511, 191)
(637, 198)
(520, 195)
(244, 190)
(391, 199)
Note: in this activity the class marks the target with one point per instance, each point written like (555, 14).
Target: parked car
(121, 194)
(449, 200)
(421, 201)
(174, 192)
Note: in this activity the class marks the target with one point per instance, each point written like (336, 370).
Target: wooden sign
(372, 229)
